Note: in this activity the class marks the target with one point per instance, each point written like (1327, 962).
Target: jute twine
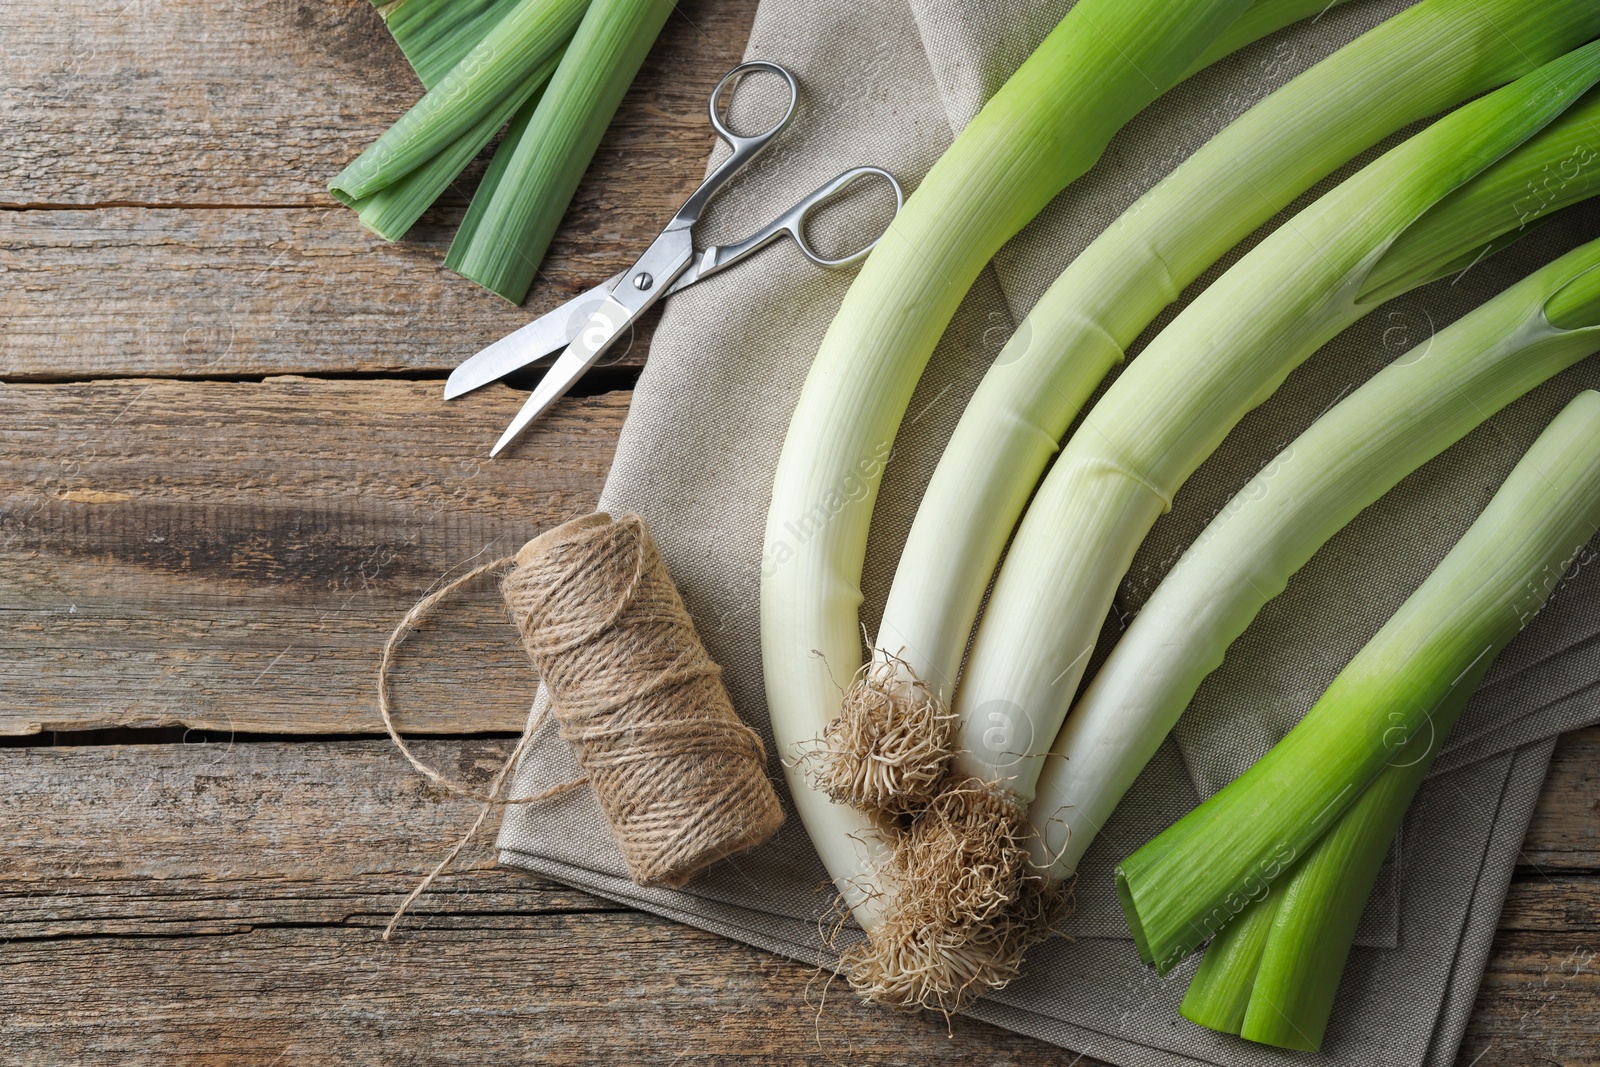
(680, 779)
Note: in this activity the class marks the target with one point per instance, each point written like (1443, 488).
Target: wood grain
(261, 102)
(232, 555)
(237, 919)
(197, 237)
(163, 889)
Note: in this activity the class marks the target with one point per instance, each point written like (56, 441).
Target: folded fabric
(886, 82)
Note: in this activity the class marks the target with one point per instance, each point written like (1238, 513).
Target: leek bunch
(484, 64)
(1226, 353)
(956, 900)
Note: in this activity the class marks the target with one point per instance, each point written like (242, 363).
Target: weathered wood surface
(222, 903)
(163, 204)
(232, 555)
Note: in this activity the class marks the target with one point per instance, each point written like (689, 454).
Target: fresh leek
(1413, 676)
(1434, 55)
(1048, 124)
(1405, 415)
(511, 221)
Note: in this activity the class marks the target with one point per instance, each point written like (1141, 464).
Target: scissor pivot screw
(642, 280)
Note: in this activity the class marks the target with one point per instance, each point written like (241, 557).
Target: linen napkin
(888, 82)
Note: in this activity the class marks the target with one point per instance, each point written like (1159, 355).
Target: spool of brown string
(680, 779)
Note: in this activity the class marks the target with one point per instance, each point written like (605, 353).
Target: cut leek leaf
(498, 66)
(435, 35)
(503, 154)
(512, 219)
(392, 210)
(1189, 881)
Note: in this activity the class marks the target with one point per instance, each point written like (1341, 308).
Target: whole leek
(1411, 677)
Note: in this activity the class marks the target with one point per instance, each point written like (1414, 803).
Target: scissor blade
(550, 332)
(584, 351)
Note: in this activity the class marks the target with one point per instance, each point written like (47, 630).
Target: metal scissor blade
(550, 332)
(668, 256)
(594, 337)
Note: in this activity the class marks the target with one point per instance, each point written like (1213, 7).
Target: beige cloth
(886, 82)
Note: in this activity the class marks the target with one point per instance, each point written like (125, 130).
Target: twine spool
(680, 779)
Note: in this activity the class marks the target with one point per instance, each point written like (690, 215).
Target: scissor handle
(745, 147)
(793, 223)
(756, 141)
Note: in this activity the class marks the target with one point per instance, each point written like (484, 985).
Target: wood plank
(232, 555)
(1539, 1004)
(1565, 832)
(218, 837)
(249, 882)
(556, 990)
(211, 904)
(261, 102)
(202, 241)
(259, 291)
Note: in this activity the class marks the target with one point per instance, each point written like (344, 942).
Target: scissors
(589, 324)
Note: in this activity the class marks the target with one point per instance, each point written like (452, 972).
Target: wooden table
(225, 472)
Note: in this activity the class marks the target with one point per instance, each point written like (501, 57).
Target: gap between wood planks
(598, 381)
(188, 735)
(155, 205)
